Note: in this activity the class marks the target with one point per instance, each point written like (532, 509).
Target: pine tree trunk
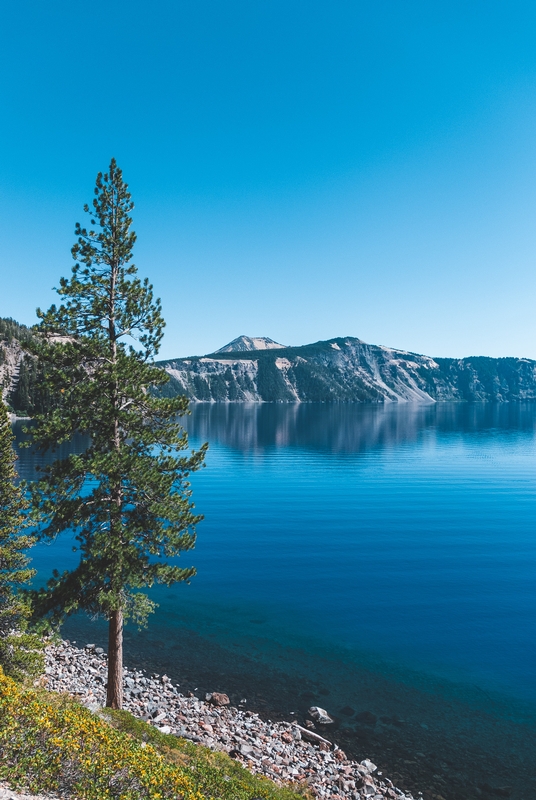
(114, 696)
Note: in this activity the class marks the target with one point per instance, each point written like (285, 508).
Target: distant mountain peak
(248, 343)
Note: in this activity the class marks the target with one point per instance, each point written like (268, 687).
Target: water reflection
(336, 428)
(349, 428)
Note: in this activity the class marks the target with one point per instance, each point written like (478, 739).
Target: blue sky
(301, 170)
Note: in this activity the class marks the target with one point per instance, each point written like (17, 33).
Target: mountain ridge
(340, 370)
(347, 369)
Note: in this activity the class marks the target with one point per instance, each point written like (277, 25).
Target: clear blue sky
(301, 169)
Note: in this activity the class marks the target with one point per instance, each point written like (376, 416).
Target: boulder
(320, 715)
(217, 699)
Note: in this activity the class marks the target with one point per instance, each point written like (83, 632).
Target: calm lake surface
(355, 544)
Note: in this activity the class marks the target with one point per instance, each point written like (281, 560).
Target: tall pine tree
(20, 651)
(127, 497)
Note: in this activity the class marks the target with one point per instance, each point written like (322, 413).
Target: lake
(376, 559)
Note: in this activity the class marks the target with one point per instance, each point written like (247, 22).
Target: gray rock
(218, 699)
(320, 715)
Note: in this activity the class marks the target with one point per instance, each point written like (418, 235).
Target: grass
(50, 743)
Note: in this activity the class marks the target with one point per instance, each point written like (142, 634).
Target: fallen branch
(310, 736)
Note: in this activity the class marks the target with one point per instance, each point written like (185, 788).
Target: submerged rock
(367, 717)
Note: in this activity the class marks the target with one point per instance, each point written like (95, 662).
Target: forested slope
(20, 373)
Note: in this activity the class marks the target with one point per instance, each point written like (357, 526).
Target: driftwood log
(311, 736)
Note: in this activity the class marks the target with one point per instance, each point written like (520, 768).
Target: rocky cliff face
(10, 358)
(348, 370)
(11, 355)
(21, 375)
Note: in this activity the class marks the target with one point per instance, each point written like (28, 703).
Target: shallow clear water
(402, 538)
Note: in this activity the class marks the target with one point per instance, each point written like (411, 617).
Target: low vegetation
(49, 743)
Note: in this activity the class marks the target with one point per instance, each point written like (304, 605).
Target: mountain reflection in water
(347, 428)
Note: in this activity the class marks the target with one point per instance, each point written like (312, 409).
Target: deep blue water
(408, 533)
(402, 538)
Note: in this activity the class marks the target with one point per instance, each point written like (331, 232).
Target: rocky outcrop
(345, 371)
(11, 356)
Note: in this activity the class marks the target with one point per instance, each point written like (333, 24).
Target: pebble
(282, 751)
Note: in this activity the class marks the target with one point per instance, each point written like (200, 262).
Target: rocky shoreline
(283, 751)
